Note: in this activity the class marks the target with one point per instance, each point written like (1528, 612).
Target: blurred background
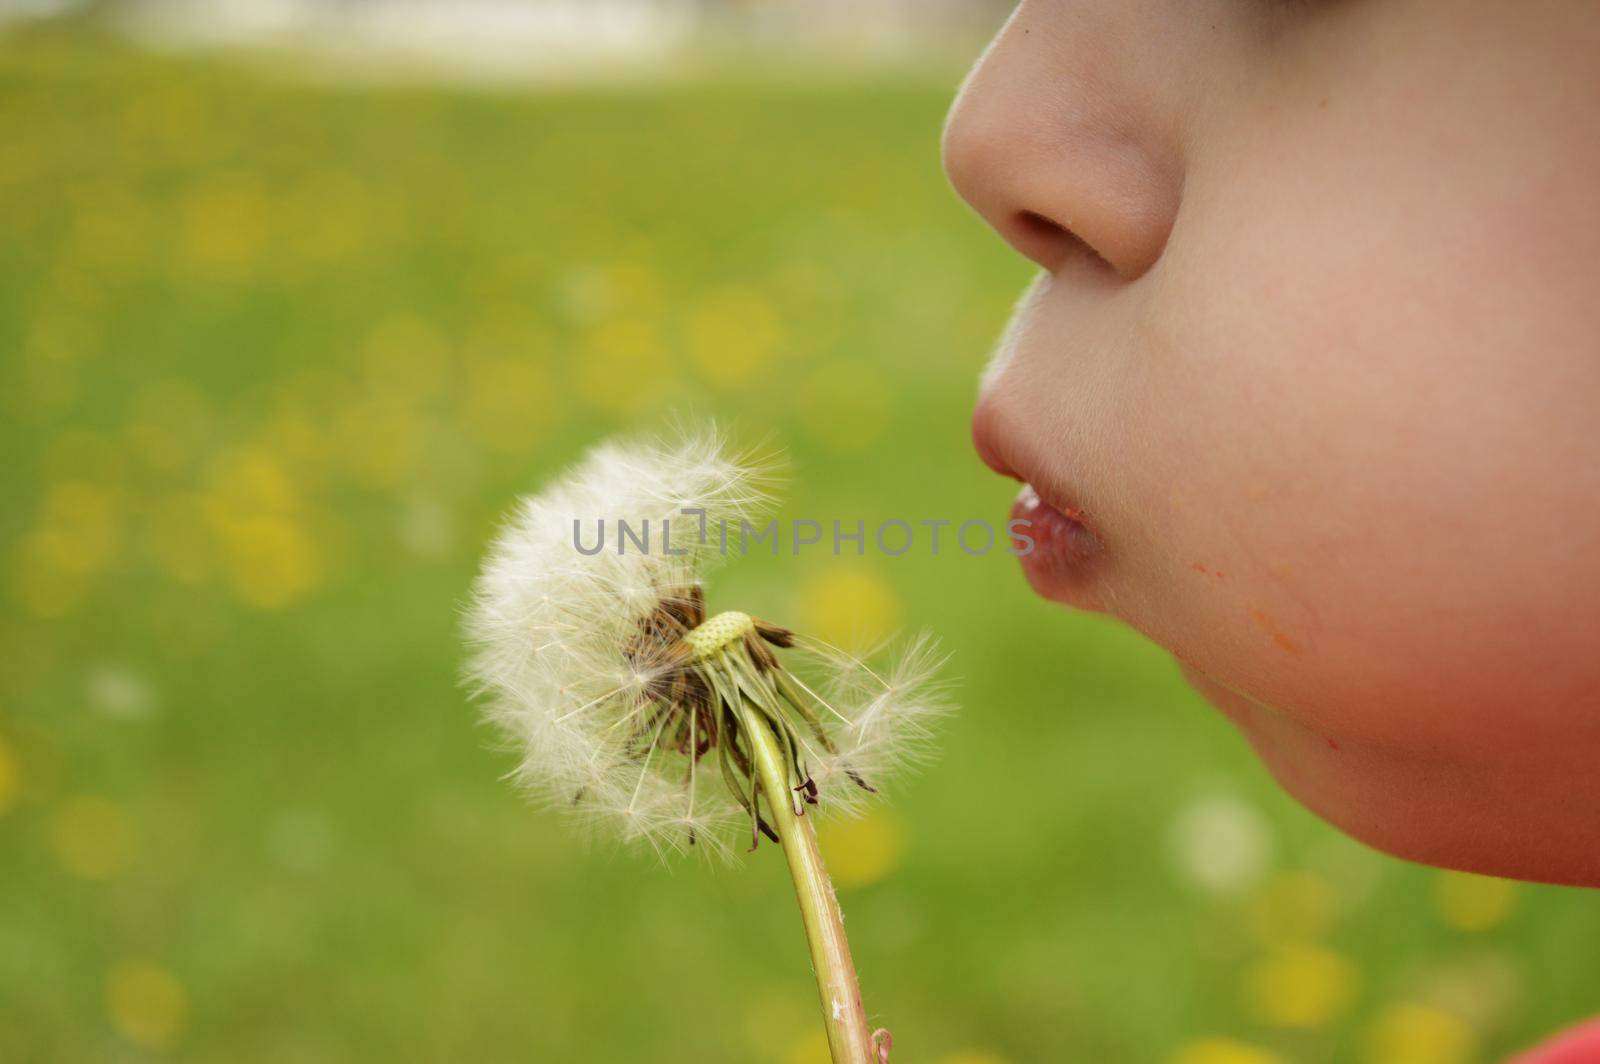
(295, 297)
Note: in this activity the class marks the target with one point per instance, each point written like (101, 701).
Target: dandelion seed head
(600, 669)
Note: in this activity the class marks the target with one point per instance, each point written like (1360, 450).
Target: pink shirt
(1578, 1045)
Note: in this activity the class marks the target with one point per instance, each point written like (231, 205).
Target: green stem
(849, 1036)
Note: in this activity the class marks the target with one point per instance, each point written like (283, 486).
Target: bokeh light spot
(427, 528)
(592, 293)
(1409, 1033)
(225, 223)
(732, 334)
(119, 692)
(811, 1047)
(255, 514)
(80, 526)
(147, 1004)
(271, 562)
(1300, 986)
(248, 481)
(1220, 843)
(622, 366)
(864, 850)
(1472, 903)
(848, 606)
(772, 1014)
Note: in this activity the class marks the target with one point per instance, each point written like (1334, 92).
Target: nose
(1063, 141)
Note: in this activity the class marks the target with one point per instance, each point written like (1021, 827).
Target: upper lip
(994, 447)
(984, 440)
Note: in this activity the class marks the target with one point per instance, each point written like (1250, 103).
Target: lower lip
(1064, 553)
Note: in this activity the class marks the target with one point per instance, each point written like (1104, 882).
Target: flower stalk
(849, 1035)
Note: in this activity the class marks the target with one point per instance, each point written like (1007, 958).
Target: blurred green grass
(276, 358)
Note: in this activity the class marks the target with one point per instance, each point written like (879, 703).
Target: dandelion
(638, 711)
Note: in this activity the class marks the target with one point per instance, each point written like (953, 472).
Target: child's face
(1316, 353)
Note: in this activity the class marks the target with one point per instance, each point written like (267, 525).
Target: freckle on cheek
(1280, 639)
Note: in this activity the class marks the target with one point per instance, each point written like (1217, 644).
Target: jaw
(1531, 818)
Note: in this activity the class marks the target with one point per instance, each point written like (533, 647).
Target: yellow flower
(811, 1047)
(225, 224)
(732, 334)
(80, 526)
(1300, 986)
(848, 606)
(621, 366)
(272, 561)
(862, 851)
(255, 514)
(147, 1004)
(1409, 1033)
(773, 1012)
(1473, 903)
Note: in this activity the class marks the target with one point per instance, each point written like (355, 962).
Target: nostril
(1050, 243)
(1039, 223)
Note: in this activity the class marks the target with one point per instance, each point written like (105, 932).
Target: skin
(1316, 352)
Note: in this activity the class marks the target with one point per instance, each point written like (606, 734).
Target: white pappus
(625, 701)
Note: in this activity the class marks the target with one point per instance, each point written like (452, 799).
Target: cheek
(1365, 505)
